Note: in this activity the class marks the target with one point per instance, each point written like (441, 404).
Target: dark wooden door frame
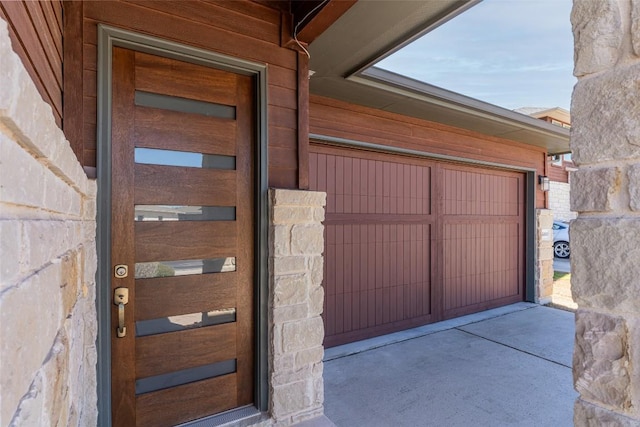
(109, 37)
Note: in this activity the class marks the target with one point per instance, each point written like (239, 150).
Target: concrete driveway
(562, 264)
(505, 367)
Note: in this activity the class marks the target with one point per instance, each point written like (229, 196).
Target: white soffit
(342, 57)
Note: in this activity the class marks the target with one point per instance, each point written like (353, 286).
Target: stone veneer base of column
(296, 300)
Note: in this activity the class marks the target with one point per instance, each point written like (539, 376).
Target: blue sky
(512, 53)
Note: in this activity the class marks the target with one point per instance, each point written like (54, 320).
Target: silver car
(561, 239)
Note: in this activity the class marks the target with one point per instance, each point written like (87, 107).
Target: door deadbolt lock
(121, 271)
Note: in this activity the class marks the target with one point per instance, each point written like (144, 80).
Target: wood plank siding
(558, 173)
(343, 120)
(35, 29)
(242, 29)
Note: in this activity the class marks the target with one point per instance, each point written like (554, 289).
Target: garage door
(411, 241)
(482, 245)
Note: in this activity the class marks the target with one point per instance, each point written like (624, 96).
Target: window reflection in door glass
(184, 213)
(153, 156)
(184, 321)
(147, 270)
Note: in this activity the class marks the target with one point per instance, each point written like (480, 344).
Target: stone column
(544, 256)
(296, 302)
(605, 239)
(48, 320)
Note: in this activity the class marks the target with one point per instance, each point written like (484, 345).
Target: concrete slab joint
(297, 296)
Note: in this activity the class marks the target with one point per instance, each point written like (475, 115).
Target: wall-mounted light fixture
(545, 185)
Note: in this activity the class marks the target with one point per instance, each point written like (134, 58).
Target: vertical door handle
(121, 298)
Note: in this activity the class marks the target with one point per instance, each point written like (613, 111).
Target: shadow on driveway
(509, 370)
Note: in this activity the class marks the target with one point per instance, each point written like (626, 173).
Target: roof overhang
(555, 113)
(343, 56)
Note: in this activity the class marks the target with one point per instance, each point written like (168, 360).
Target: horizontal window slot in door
(166, 407)
(185, 267)
(184, 213)
(157, 185)
(171, 296)
(184, 240)
(184, 105)
(185, 376)
(154, 156)
(175, 351)
(183, 322)
(163, 129)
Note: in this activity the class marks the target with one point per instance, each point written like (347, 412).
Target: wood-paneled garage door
(411, 241)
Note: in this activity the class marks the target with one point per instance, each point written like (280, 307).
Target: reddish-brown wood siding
(242, 29)
(344, 120)
(558, 173)
(73, 78)
(35, 29)
(303, 121)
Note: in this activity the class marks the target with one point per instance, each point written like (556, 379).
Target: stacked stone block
(544, 256)
(560, 201)
(47, 262)
(296, 303)
(605, 239)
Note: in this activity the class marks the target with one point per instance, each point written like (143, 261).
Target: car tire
(561, 249)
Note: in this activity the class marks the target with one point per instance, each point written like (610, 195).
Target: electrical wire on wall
(295, 30)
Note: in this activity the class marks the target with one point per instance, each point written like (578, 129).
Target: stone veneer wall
(560, 201)
(47, 262)
(544, 255)
(296, 303)
(605, 239)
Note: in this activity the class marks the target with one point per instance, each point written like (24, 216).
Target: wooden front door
(183, 224)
